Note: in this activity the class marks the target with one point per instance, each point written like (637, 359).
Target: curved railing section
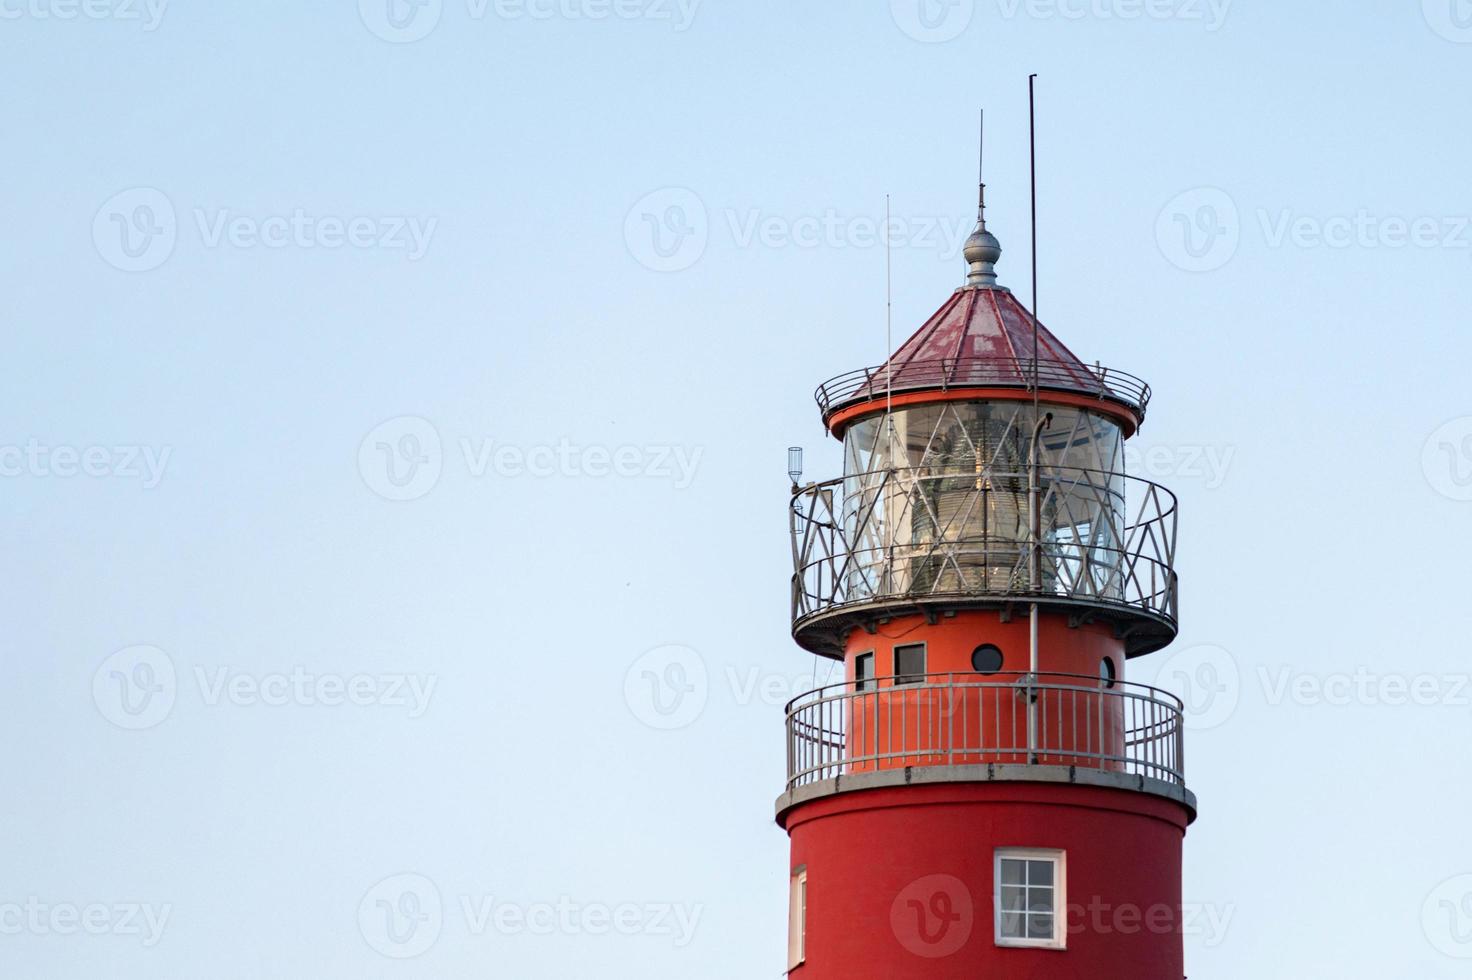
(952, 534)
(996, 719)
(983, 372)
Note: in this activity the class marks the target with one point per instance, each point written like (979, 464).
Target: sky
(393, 448)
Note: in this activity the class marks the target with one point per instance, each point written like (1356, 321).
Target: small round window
(986, 659)
(1107, 671)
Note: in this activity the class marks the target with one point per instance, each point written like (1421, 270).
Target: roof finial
(982, 249)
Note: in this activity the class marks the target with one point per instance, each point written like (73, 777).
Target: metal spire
(982, 249)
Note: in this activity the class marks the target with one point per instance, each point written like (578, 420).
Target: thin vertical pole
(1035, 516)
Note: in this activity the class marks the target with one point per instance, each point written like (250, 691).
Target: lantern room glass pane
(936, 501)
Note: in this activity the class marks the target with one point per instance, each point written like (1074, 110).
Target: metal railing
(983, 372)
(923, 534)
(1048, 719)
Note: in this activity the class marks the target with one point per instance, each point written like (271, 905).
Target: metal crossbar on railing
(1047, 719)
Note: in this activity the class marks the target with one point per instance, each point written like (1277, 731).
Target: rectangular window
(863, 671)
(797, 918)
(909, 664)
(1031, 898)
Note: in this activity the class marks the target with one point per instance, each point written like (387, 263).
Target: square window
(1030, 898)
(863, 671)
(909, 664)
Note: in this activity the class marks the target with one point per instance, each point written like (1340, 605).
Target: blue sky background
(1311, 410)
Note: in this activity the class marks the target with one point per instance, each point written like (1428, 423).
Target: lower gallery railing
(973, 719)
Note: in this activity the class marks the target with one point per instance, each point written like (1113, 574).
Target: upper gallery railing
(932, 533)
(983, 372)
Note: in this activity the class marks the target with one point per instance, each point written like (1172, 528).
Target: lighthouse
(985, 792)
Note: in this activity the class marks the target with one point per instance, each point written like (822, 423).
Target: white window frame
(797, 918)
(1059, 860)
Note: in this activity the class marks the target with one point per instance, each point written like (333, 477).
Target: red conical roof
(982, 337)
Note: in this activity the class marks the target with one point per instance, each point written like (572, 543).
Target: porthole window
(986, 659)
(1107, 671)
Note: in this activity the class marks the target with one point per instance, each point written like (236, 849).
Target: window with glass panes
(1030, 898)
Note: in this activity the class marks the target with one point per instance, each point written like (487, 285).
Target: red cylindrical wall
(900, 881)
(962, 717)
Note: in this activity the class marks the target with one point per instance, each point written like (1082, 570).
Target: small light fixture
(794, 463)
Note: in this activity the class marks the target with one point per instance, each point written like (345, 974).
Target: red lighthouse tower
(985, 793)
